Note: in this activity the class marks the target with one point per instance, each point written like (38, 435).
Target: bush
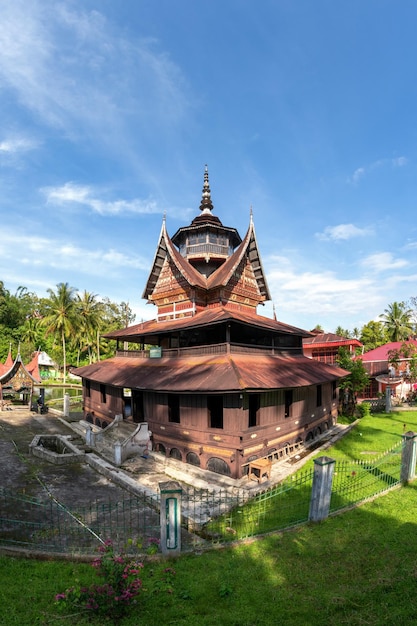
(363, 409)
(120, 587)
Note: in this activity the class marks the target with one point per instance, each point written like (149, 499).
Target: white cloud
(304, 298)
(33, 250)
(357, 175)
(76, 74)
(71, 193)
(360, 172)
(302, 293)
(399, 162)
(342, 232)
(383, 261)
(15, 145)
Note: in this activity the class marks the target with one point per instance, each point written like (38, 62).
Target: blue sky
(305, 111)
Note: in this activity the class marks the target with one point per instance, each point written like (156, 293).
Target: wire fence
(357, 481)
(49, 526)
(229, 515)
(208, 516)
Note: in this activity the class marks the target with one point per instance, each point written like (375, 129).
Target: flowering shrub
(153, 546)
(144, 546)
(120, 588)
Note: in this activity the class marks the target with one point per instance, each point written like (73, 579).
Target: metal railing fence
(208, 516)
(357, 481)
(49, 526)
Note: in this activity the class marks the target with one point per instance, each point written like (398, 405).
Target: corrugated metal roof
(323, 340)
(213, 315)
(219, 373)
(381, 353)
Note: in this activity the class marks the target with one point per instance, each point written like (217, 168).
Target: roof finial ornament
(206, 203)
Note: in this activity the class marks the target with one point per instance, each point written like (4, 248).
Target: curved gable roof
(249, 247)
(31, 370)
(166, 249)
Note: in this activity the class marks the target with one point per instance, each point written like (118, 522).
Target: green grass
(357, 568)
(373, 435)
(288, 504)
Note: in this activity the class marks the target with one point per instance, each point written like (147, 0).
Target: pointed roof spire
(206, 203)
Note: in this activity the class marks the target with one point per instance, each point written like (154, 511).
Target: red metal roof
(33, 367)
(326, 340)
(208, 316)
(215, 373)
(381, 353)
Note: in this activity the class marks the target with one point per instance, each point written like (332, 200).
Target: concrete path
(100, 478)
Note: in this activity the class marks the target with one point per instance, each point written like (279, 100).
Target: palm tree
(398, 321)
(60, 315)
(31, 332)
(342, 332)
(89, 312)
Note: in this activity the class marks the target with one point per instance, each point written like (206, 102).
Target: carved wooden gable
(170, 284)
(18, 378)
(243, 288)
(172, 293)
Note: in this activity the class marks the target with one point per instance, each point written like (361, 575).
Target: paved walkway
(81, 482)
(97, 482)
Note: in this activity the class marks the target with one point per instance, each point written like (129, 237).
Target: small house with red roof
(377, 364)
(324, 347)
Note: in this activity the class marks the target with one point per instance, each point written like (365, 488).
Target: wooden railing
(217, 348)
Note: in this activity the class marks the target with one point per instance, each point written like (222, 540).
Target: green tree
(60, 316)
(343, 332)
(397, 319)
(31, 335)
(373, 335)
(356, 381)
(90, 314)
(10, 313)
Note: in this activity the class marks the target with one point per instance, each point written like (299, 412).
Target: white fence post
(66, 405)
(408, 457)
(170, 517)
(322, 489)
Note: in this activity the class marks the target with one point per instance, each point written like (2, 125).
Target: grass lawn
(357, 568)
(373, 435)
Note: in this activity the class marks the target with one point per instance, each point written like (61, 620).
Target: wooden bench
(264, 467)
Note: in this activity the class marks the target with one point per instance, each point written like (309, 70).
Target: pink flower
(60, 596)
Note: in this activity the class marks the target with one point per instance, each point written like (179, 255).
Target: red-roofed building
(221, 385)
(325, 346)
(376, 363)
